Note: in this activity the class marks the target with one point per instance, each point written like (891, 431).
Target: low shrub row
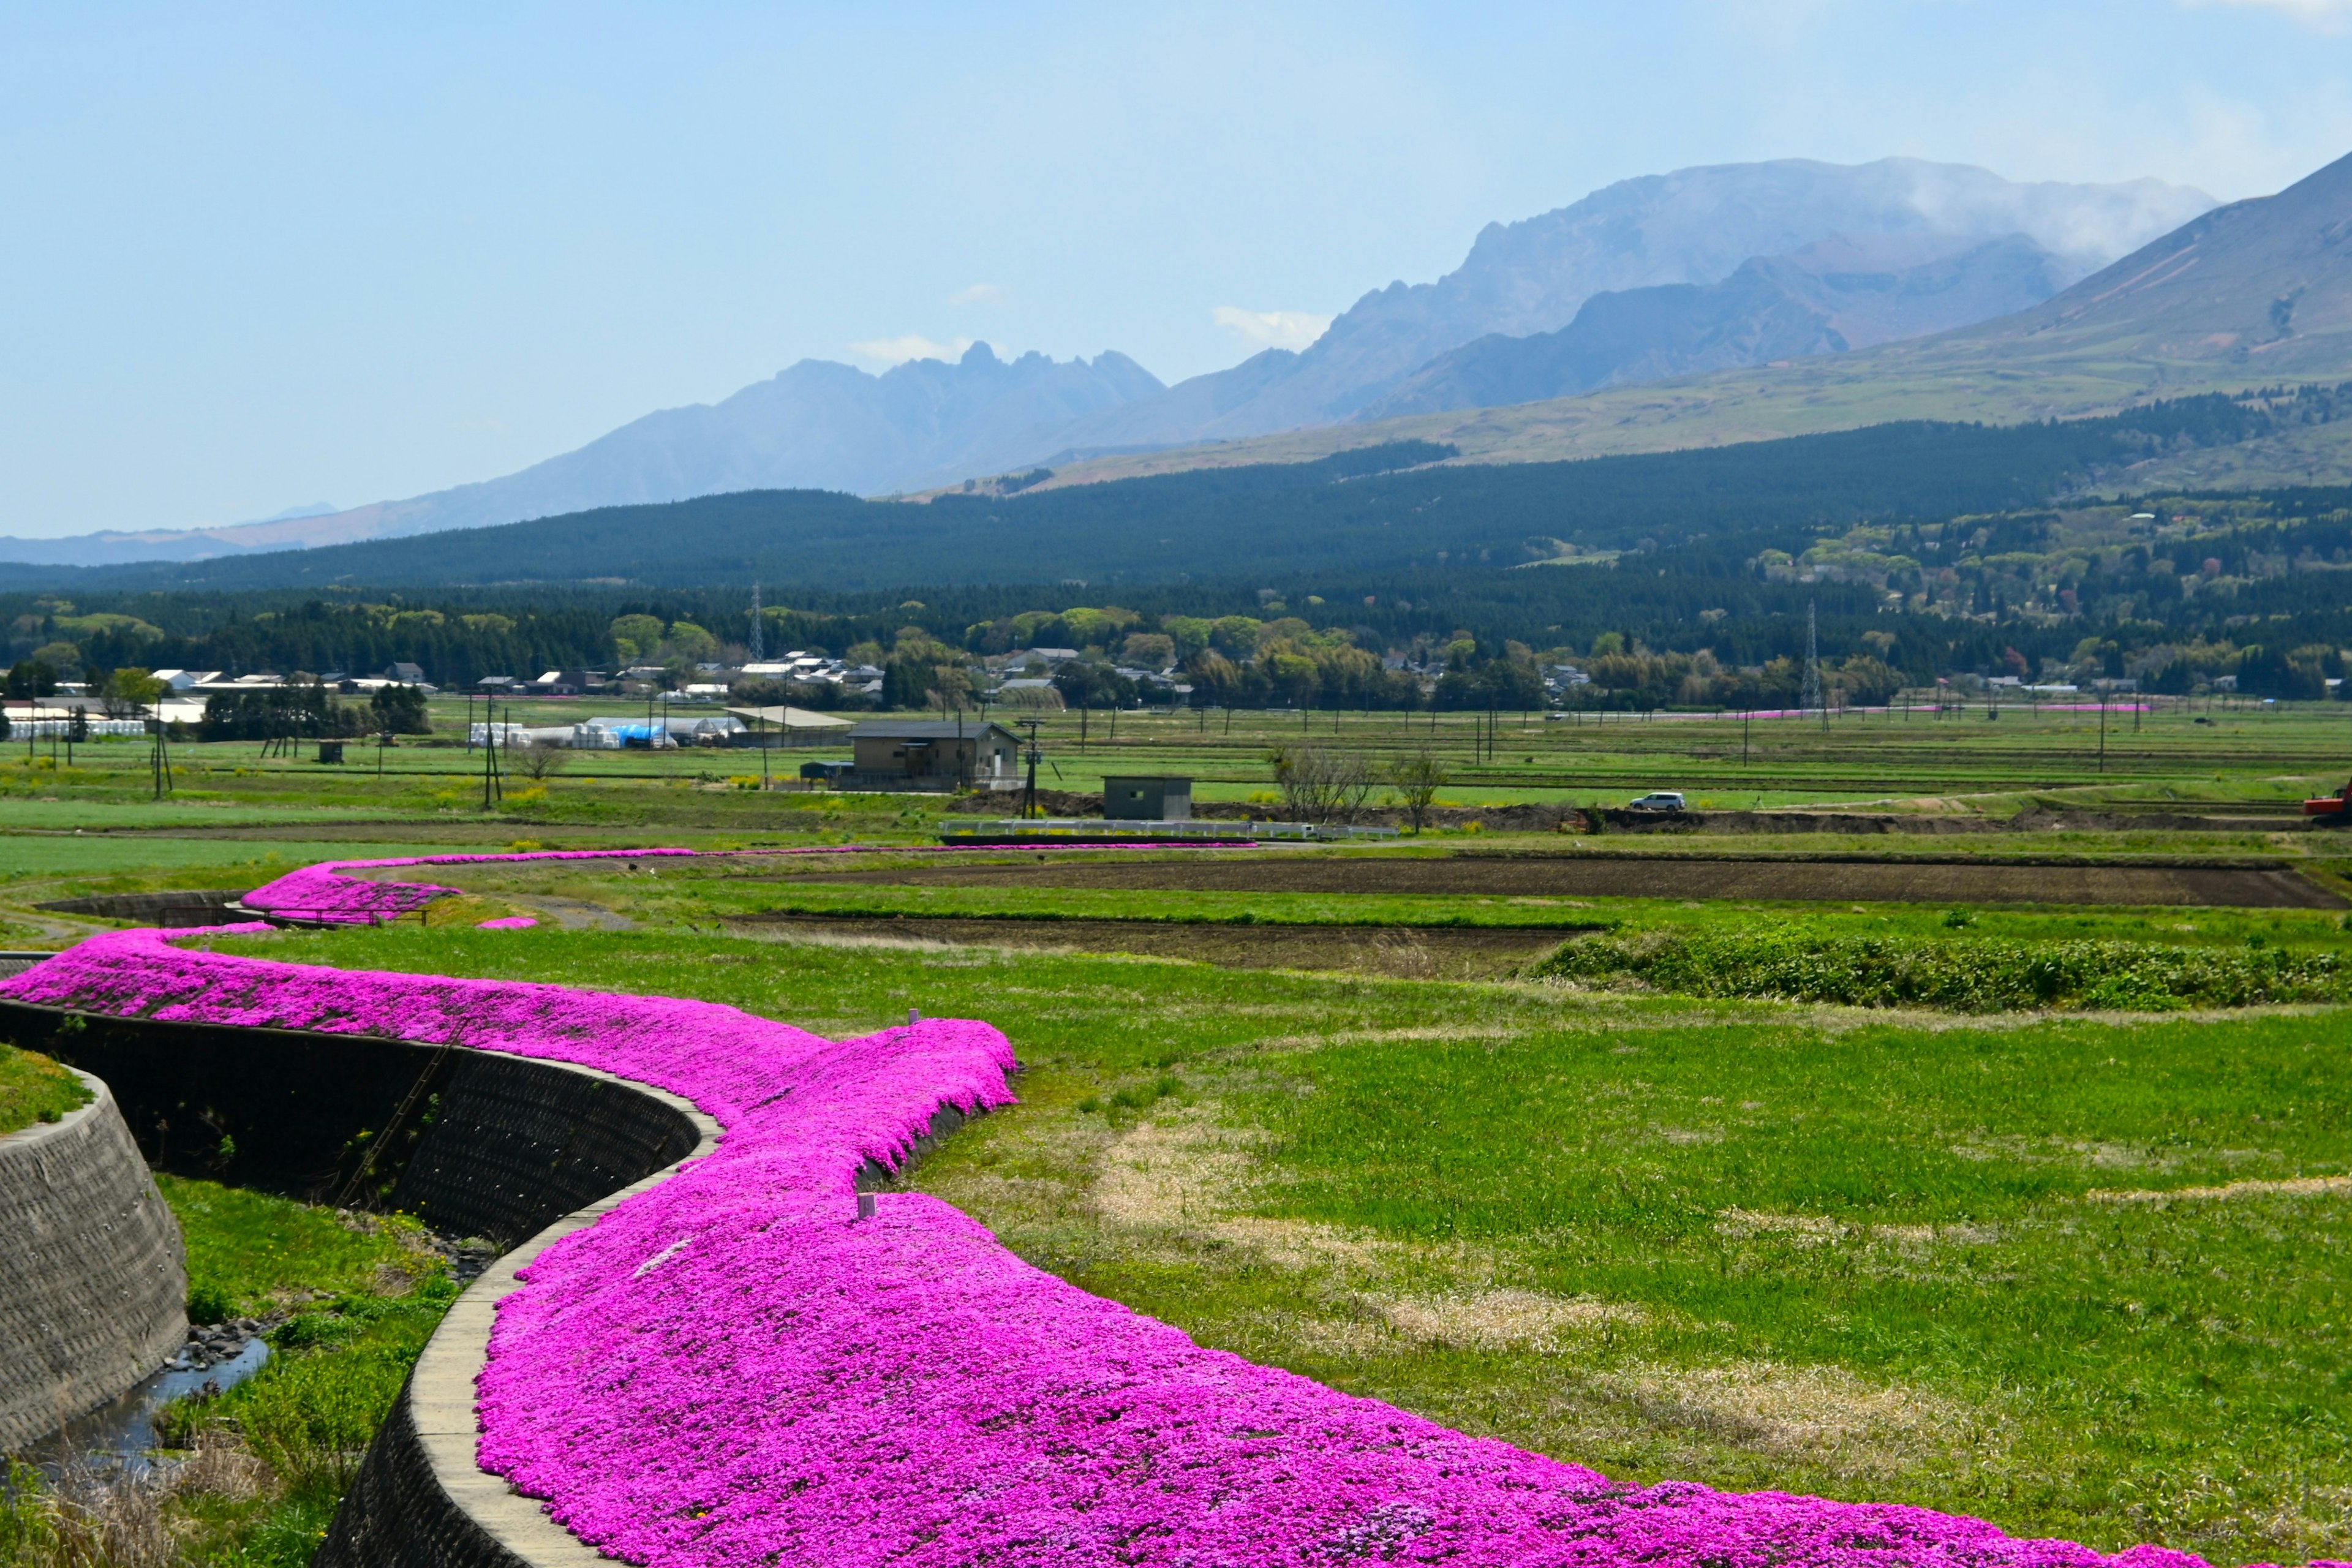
(1961, 975)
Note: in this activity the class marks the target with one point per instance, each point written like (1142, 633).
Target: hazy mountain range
(1696, 227)
(1846, 292)
(2253, 294)
(1705, 269)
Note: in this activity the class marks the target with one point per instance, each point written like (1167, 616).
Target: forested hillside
(2171, 591)
(1389, 508)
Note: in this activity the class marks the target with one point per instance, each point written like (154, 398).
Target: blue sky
(259, 256)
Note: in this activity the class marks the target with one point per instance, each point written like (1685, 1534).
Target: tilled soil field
(1416, 952)
(1620, 876)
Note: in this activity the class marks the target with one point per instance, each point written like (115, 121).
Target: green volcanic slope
(2255, 293)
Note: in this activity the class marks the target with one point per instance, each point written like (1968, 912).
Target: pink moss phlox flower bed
(324, 895)
(730, 1368)
(507, 923)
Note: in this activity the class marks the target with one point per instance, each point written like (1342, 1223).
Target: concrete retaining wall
(420, 1499)
(93, 1276)
(474, 1141)
(478, 1142)
(182, 908)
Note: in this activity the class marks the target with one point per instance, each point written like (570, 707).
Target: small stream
(120, 1434)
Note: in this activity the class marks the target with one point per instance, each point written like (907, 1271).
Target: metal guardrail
(331, 917)
(14, 964)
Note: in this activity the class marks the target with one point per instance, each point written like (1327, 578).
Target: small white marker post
(866, 1206)
(913, 1017)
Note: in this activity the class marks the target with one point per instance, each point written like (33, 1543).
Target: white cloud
(981, 294)
(913, 345)
(1272, 328)
(2322, 16)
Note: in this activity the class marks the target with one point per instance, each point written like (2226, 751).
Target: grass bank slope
(35, 1088)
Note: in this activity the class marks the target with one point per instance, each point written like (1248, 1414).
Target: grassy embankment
(35, 1088)
(2086, 1278)
(257, 1472)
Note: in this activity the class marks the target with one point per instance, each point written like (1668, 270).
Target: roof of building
(928, 729)
(791, 718)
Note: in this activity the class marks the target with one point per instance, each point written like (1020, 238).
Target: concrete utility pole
(756, 643)
(489, 754)
(1812, 694)
(1034, 756)
(161, 761)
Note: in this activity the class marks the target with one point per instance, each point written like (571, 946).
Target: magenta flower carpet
(325, 894)
(732, 1369)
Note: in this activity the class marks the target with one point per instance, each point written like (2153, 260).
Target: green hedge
(1960, 975)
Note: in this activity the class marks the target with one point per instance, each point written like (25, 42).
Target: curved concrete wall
(473, 1143)
(516, 1149)
(93, 1276)
(476, 1143)
(420, 1499)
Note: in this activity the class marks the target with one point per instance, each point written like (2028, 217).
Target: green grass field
(738, 888)
(2080, 1275)
(2170, 756)
(250, 1253)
